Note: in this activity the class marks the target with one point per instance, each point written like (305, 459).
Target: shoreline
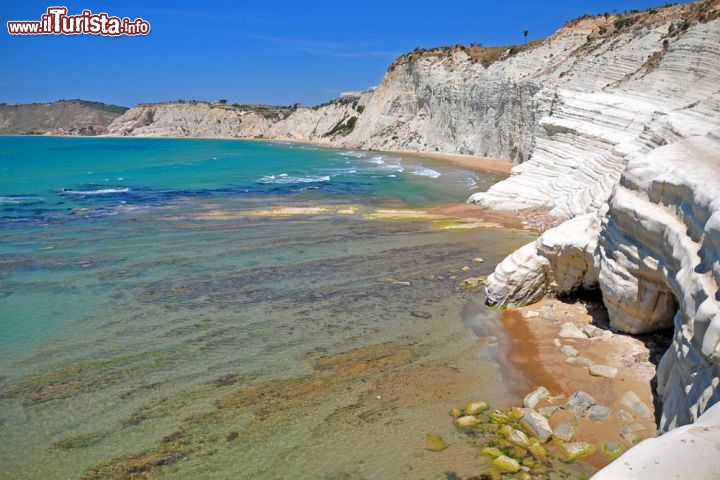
(531, 357)
(473, 162)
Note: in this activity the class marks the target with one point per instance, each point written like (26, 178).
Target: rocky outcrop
(635, 166)
(61, 117)
(612, 103)
(215, 120)
(190, 119)
(654, 252)
(560, 261)
(659, 252)
(446, 100)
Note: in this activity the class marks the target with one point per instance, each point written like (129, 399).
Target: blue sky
(275, 52)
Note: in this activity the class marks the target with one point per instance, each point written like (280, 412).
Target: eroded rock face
(656, 261)
(447, 102)
(214, 120)
(188, 119)
(651, 239)
(661, 242)
(560, 261)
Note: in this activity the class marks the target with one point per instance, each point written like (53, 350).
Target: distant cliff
(328, 122)
(570, 108)
(78, 117)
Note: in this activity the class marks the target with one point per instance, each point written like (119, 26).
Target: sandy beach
(474, 162)
(468, 161)
(532, 357)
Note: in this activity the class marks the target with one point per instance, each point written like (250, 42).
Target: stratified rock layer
(659, 256)
(650, 240)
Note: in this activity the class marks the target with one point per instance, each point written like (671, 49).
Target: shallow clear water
(161, 317)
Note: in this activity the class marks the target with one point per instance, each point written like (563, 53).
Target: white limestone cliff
(686, 453)
(215, 120)
(654, 252)
(188, 119)
(635, 166)
(659, 252)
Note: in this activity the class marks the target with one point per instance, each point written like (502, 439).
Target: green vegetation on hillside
(343, 127)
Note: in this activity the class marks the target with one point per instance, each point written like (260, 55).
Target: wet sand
(469, 211)
(530, 357)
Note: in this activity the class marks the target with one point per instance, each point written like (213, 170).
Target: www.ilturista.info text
(57, 22)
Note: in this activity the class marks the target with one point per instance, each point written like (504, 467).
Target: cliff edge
(635, 167)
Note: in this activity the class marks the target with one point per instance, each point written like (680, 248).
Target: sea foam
(284, 178)
(99, 191)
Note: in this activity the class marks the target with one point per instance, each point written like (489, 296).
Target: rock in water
(535, 397)
(435, 443)
(613, 448)
(538, 452)
(629, 432)
(506, 464)
(492, 452)
(635, 405)
(537, 425)
(570, 330)
(474, 282)
(548, 411)
(603, 371)
(475, 407)
(466, 422)
(579, 361)
(518, 437)
(575, 450)
(598, 413)
(592, 331)
(564, 432)
(580, 402)
(569, 351)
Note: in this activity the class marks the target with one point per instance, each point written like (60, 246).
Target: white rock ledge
(654, 252)
(644, 228)
(680, 454)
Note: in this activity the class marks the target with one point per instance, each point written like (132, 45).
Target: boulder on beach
(575, 450)
(535, 397)
(537, 425)
(564, 432)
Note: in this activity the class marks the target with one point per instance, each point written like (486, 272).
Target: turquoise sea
(233, 309)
